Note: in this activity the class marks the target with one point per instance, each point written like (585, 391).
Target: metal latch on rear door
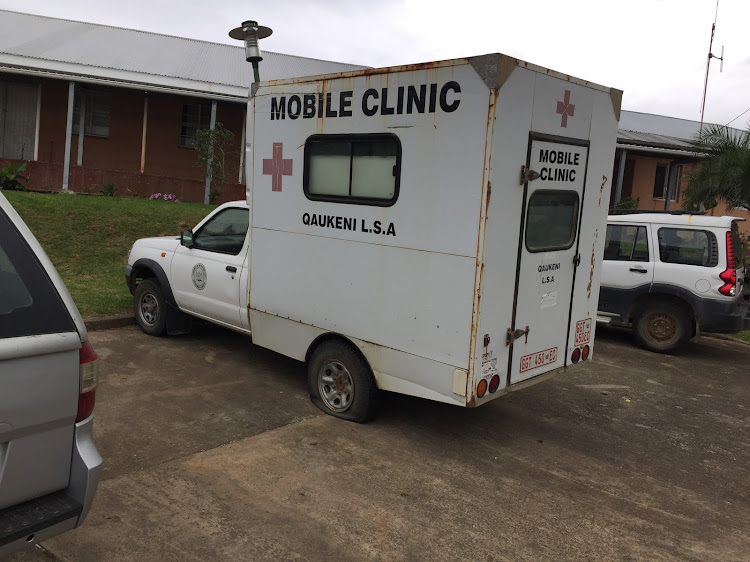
(513, 335)
(527, 175)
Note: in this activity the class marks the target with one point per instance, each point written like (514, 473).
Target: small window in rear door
(552, 220)
(29, 303)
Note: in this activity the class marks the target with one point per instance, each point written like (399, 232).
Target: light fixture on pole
(250, 32)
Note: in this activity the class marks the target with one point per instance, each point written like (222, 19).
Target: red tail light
(88, 373)
(576, 357)
(729, 275)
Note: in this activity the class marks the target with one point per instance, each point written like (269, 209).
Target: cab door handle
(638, 270)
(231, 269)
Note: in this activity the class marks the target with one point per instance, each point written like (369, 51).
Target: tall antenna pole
(708, 64)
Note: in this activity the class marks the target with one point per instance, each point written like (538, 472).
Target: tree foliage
(724, 173)
(214, 146)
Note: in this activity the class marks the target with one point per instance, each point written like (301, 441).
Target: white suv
(671, 276)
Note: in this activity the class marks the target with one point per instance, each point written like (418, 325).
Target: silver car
(49, 466)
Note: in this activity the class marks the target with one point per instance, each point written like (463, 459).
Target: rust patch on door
(601, 189)
(591, 271)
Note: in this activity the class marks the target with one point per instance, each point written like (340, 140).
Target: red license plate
(583, 332)
(538, 359)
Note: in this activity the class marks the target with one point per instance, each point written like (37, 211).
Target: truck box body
(437, 281)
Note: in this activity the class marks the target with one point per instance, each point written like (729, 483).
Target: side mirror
(186, 238)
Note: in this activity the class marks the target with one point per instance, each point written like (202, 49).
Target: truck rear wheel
(150, 308)
(662, 327)
(341, 382)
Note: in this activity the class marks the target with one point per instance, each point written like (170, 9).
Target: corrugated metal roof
(659, 124)
(652, 139)
(102, 49)
(670, 127)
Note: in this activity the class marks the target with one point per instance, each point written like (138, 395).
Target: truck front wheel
(150, 308)
(341, 382)
(662, 327)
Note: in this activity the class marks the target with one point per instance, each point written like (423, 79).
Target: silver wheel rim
(336, 386)
(149, 309)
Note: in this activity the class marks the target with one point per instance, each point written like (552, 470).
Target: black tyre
(662, 327)
(150, 308)
(341, 382)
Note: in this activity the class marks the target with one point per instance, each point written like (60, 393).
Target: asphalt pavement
(213, 451)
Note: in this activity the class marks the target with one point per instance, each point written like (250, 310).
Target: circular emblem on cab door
(199, 276)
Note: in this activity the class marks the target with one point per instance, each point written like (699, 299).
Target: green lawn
(743, 335)
(88, 239)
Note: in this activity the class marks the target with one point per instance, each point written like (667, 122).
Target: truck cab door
(547, 256)
(206, 276)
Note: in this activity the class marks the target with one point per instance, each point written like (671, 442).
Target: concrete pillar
(81, 127)
(143, 134)
(68, 135)
(620, 175)
(211, 157)
(38, 117)
(242, 147)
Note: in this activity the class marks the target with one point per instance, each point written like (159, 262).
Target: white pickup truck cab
(206, 278)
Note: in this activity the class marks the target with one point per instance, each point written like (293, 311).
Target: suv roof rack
(651, 212)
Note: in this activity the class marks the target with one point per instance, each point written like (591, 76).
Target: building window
(626, 243)
(360, 169)
(667, 180)
(97, 114)
(688, 247)
(552, 220)
(194, 116)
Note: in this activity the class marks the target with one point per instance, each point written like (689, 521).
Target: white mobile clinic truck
(434, 230)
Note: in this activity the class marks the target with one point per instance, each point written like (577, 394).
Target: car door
(206, 276)
(547, 256)
(39, 375)
(628, 267)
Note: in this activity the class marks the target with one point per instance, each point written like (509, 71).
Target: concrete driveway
(213, 451)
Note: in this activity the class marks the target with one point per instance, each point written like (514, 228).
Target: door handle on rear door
(231, 269)
(638, 270)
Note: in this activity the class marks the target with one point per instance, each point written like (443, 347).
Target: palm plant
(724, 173)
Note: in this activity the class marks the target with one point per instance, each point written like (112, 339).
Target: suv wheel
(150, 308)
(662, 327)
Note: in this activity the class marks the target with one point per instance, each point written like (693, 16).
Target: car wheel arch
(643, 302)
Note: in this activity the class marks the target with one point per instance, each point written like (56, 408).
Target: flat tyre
(341, 382)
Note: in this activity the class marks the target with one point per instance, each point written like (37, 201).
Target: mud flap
(178, 322)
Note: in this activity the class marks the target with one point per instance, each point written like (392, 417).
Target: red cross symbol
(277, 166)
(564, 108)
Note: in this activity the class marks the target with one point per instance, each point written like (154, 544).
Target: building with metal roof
(653, 159)
(43, 46)
(86, 104)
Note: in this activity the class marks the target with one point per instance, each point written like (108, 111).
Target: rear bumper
(726, 318)
(86, 467)
(42, 518)
(36, 520)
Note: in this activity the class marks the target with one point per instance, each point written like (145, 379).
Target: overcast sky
(654, 50)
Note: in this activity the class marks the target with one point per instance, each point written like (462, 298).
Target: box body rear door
(547, 256)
